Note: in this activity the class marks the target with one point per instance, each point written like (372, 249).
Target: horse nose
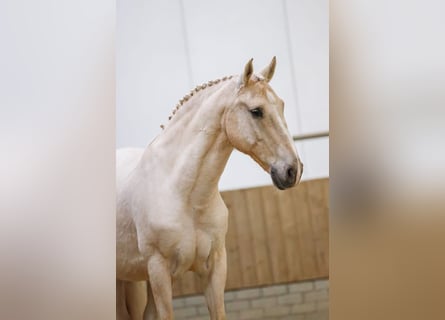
(291, 174)
(286, 176)
(300, 171)
(294, 173)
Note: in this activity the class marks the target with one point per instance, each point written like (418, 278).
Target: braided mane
(194, 91)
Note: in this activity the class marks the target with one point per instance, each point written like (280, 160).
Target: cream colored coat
(170, 215)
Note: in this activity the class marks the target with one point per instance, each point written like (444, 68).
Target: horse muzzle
(286, 176)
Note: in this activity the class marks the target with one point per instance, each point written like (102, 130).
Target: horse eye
(257, 112)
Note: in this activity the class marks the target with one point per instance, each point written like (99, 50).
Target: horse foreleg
(121, 305)
(136, 298)
(214, 284)
(161, 286)
(150, 309)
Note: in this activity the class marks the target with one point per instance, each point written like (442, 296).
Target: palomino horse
(170, 215)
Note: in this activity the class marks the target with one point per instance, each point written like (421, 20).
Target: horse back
(126, 161)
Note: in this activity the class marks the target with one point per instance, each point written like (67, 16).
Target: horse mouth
(279, 183)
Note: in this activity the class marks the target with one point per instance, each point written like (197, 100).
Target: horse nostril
(291, 173)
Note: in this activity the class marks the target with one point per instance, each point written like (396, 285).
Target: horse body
(170, 215)
(173, 217)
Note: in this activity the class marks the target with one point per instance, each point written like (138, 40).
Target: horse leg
(214, 284)
(150, 308)
(136, 299)
(121, 305)
(161, 286)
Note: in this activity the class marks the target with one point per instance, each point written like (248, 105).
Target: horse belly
(132, 270)
(130, 264)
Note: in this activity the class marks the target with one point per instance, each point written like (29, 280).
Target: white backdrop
(165, 48)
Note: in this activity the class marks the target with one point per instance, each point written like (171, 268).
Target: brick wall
(306, 300)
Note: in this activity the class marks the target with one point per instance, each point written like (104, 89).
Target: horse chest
(204, 247)
(193, 252)
(202, 235)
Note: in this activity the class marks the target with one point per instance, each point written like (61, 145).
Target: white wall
(165, 48)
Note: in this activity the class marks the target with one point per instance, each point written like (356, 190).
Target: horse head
(255, 125)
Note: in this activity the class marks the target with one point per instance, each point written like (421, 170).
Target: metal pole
(311, 136)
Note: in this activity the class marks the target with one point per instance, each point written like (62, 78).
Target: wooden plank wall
(273, 237)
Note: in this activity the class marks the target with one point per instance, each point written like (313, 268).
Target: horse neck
(194, 149)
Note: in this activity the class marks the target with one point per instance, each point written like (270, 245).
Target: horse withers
(170, 215)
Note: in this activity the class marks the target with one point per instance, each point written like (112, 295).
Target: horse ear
(268, 72)
(248, 71)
